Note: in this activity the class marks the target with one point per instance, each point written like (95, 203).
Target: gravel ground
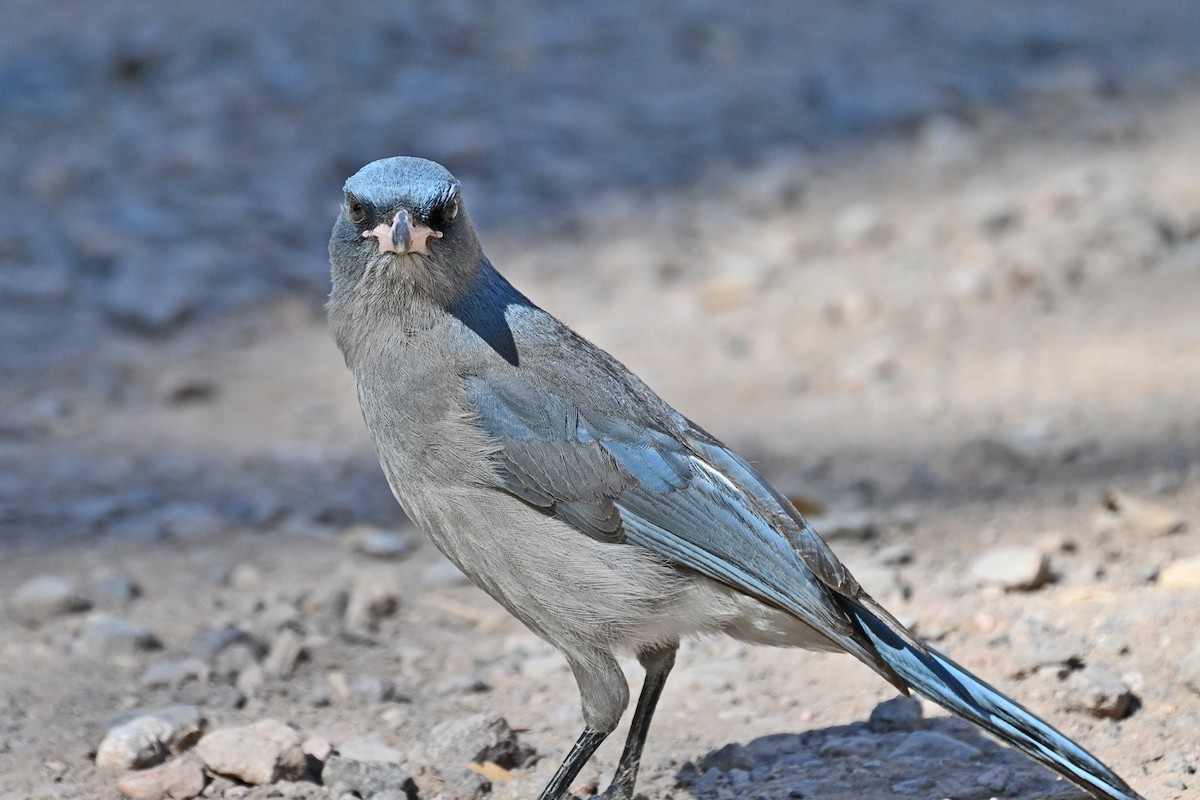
(933, 266)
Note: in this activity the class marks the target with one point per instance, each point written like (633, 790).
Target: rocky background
(934, 266)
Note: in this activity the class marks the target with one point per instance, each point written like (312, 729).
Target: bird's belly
(581, 594)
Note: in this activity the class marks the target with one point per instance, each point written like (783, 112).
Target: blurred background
(825, 230)
(917, 258)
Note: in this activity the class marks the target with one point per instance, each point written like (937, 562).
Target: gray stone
(189, 520)
(44, 597)
(912, 786)
(370, 748)
(933, 745)
(145, 738)
(117, 589)
(455, 744)
(1127, 513)
(1098, 691)
(729, 758)
(172, 674)
(180, 779)
(849, 747)
(368, 778)
(373, 597)
(378, 542)
(372, 689)
(1012, 568)
(261, 752)
(897, 714)
(107, 638)
(285, 653)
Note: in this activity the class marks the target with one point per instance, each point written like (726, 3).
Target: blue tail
(946, 683)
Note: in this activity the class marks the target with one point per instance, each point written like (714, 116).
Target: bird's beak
(402, 236)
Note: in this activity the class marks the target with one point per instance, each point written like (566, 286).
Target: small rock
(180, 779)
(1129, 513)
(190, 520)
(455, 744)
(1181, 574)
(372, 689)
(378, 543)
(1013, 568)
(145, 738)
(373, 597)
(849, 747)
(108, 638)
(729, 758)
(261, 752)
(172, 674)
(286, 651)
(41, 598)
(370, 748)
(897, 714)
(242, 576)
(912, 786)
(994, 779)
(117, 589)
(1098, 691)
(368, 778)
(443, 575)
(852, 525)
(860, 224)
(933, 745)
(894, 555)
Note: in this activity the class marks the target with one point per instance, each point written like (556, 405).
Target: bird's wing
(678, 492)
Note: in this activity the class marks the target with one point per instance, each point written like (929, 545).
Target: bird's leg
(584, 747)
(658, 665)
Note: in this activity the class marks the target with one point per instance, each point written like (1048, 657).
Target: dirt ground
(934, 267)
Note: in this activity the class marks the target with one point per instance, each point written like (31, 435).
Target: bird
(595, 513)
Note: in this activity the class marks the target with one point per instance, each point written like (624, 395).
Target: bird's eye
(451, 210)
(356, 210)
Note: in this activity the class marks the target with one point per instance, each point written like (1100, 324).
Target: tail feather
(950, 685)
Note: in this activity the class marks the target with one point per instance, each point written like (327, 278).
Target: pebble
(261, 752)
(180, 779)
(368, 777)
(1181, 574)
(117, 589)
(1128, 513)
(110, 638)
(378, 543)
(897, 714)
(370, 748)
(144, 738)
(172, 674)
(728, 758)
(191, 520)
(373, 597)
(372, 689)
(1100, 692)
(849, 747)
(454, 745)
(1014, 568)
(286, 651)
(45, 597)
(934, 745)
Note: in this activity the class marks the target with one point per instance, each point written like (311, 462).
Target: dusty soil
(935, 268)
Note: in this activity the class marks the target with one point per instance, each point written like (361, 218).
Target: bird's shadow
(895, 754)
